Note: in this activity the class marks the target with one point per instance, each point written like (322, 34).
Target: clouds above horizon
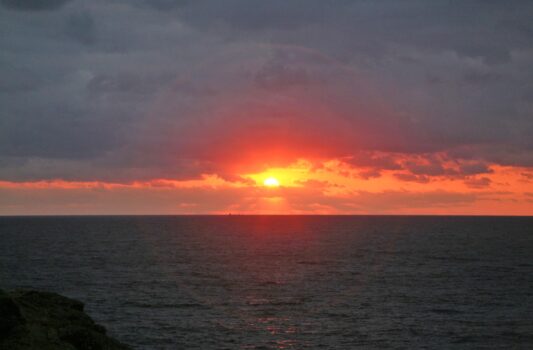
(126, 90)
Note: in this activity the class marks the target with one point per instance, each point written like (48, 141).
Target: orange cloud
(306, 187)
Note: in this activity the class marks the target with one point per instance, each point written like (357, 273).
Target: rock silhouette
(40, 320)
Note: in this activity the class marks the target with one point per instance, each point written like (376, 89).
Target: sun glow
(271, 182)
(289, 176)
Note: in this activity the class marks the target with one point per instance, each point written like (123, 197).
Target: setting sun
(271, 182)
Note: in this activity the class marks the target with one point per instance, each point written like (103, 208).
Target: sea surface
(285, 282)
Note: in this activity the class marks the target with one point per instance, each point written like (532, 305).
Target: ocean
(285, 282)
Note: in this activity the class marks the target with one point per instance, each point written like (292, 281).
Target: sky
(187, 107)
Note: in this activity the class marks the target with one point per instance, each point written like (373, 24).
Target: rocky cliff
(45, 321)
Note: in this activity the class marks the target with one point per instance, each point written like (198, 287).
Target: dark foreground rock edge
(32, 319)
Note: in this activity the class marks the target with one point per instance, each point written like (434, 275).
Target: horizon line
(255, 215)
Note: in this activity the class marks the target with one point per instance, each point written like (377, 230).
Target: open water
(285, 282)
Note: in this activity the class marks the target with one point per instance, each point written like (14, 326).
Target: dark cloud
(278, 76)
(176, 88)
(81, 27)
(412, 178)
(369, 174)
(373, 160)
(429, 167)
(478, 182)
(165, 5)
(257, 15)
(33, 5)
(416, 167)
(474, 168)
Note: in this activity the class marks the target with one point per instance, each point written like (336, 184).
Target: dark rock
(41, 320)
(10, 316)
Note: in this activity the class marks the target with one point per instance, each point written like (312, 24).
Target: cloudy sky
(187, 106)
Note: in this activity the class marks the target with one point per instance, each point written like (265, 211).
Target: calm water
(285, 282)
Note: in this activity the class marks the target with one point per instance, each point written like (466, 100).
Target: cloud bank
(122, 91)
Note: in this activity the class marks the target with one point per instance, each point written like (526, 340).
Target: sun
(271, 182)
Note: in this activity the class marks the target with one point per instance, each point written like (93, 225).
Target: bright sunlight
(271, 182)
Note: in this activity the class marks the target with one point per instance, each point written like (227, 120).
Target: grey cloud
(259, 15)
(125, 83)
(474, 168)
(477, 77)
(431, 168)
(370, 27)
(378, 161)
(33, 5)
(412, 178)
(369, 174)
(81, 27)
(165, 5)
(478, 182)
(152, 86)
(17, 79)
(278, 76)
